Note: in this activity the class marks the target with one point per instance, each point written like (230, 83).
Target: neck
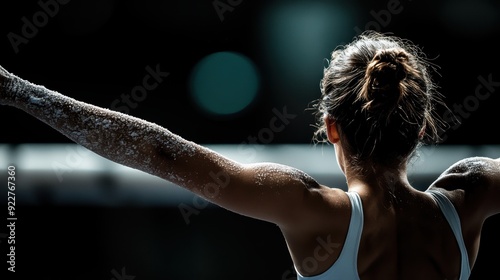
(389, 185)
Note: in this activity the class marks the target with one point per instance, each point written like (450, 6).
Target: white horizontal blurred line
(68, 173)
(310, 158)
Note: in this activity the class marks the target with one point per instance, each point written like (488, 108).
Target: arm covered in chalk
(266, 191)
(119, 137)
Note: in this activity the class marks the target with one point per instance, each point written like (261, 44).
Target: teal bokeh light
(296, 39)
(224, 83)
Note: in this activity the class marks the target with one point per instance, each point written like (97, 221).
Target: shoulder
(470, 173)
(284, 195)
(472, 184)
(322, 209)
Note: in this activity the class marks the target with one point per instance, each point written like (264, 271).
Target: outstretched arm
(266, 191)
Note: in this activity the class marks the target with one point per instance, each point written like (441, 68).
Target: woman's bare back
(408, 238)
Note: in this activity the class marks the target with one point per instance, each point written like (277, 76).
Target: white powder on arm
(265, 191)
(121, 138)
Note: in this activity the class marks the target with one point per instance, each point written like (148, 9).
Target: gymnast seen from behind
(377, 107)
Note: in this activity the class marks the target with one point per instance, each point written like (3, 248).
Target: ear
(421, 134)
(331, 130)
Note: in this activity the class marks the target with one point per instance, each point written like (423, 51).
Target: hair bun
(386, 69)
(383, 76)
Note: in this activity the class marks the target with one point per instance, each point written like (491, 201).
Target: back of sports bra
(345, 267)
(453, 219)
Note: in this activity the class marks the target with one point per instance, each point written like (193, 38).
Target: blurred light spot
(297, 36)
(470, 17)
(224, 83)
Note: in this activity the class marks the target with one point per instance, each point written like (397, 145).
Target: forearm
(119, 137)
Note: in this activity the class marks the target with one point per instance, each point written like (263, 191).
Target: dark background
(96, 50)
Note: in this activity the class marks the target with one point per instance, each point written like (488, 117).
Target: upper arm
(272, 192)
(266, 191)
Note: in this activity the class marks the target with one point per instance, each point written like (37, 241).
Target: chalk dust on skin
(140, 144)
(475, 167)
(279, 178)
(119, 137)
